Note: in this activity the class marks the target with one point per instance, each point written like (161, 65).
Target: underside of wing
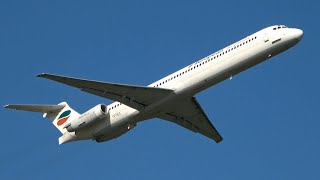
(189, 114)
(136, 97)
(35, 107)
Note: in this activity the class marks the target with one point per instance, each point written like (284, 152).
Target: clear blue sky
(268, 115)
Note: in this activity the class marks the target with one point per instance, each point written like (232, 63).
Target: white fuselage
(199, 76)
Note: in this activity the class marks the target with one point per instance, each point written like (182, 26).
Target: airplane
(171, 98)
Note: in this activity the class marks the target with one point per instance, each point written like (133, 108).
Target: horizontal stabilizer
(59, 115)
(35, 108)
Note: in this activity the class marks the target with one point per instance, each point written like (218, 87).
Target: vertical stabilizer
(60, 118)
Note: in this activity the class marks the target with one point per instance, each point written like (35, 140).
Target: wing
(136, 97)
(35, 107)
(189, 114)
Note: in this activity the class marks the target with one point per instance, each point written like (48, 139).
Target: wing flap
(117, 97)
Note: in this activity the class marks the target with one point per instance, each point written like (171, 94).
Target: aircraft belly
(112, 132)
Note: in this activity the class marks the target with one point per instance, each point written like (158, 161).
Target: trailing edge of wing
(35, 107)
(136, 97)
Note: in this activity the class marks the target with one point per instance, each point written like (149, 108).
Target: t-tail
(60, 115)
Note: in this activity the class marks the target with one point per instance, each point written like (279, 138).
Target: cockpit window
(279, 27)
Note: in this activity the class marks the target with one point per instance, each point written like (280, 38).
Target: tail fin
(59, 114)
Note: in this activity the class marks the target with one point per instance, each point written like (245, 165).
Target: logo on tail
(63, 117)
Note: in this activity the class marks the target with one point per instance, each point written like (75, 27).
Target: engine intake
(93, 115)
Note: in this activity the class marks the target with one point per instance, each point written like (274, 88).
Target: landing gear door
(266, 37)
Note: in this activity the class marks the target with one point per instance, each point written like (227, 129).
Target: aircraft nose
(298, 34)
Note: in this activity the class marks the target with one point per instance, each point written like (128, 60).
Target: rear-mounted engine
(93, 115)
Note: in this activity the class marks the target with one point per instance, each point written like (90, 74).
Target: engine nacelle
(93, 115)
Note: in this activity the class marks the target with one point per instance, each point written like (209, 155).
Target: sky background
(268, 115)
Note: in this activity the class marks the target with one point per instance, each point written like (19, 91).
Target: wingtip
(218, 141)
(42, 75)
